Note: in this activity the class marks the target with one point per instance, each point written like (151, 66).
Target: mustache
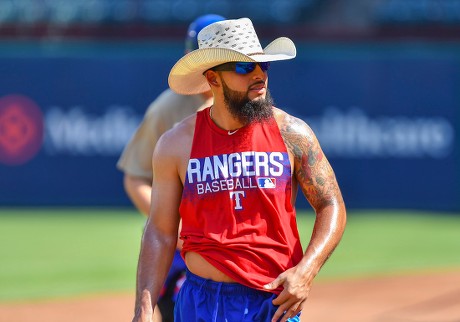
(257, 83)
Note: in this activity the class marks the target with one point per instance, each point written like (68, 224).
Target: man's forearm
(327, 232)
(155, 259)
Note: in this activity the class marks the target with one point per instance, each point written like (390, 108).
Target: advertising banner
(386, 117)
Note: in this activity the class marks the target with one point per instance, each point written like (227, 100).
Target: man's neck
(221, 116)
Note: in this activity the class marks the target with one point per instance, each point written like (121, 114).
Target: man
(136, 160)
(231, 173)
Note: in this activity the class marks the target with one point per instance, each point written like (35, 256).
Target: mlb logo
(266, 183)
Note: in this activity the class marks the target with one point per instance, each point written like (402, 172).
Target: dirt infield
(425, 297)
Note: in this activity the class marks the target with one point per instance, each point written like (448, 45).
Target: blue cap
(195, 27)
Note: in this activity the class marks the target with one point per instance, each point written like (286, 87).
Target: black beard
(246, 110)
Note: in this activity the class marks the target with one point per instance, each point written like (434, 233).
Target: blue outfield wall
(386, 116)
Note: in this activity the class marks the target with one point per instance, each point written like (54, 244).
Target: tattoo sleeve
(311, 168)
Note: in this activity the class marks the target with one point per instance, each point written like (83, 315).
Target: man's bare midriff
(201, 267)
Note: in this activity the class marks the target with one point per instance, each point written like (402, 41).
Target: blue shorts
(205, 300)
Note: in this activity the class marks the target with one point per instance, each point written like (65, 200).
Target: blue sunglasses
(241, 67)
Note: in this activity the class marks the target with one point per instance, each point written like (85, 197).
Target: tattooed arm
(316, 179)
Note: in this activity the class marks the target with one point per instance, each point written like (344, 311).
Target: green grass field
(48, 253)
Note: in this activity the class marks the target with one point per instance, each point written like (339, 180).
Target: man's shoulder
(175, 144)
(290, 124)
(181, 131)
(282, 117)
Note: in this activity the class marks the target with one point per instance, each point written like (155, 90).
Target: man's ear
(211, 77)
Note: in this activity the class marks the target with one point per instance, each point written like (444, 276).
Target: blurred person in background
(136, 160)
(230, 174)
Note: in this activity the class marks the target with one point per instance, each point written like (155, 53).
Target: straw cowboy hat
(222, 42)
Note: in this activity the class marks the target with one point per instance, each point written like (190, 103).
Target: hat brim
(186, 76)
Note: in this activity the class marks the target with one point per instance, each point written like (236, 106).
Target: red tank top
(236, 204)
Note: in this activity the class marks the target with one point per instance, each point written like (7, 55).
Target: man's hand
(296, 289)
(144, 311)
